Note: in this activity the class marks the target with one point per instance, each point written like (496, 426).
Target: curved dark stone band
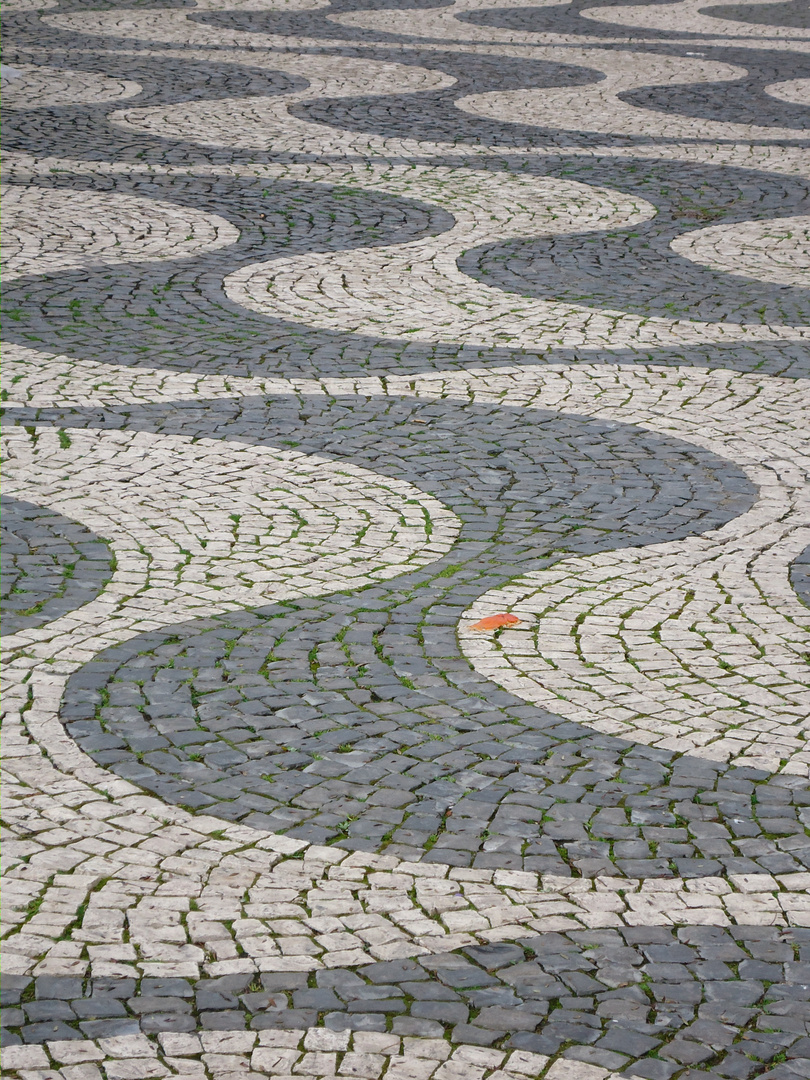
(354, 719)
(787, 13)
(50, 565)
(177, 311)
(665, 998)
(647, 277)
(800, 575)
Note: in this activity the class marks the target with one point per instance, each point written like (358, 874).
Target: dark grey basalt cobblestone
(787, 13)
(50, 565)
(800, 575)
(649, 1001)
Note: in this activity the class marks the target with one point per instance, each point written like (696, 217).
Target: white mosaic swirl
(264, 123)
(377, 291)
(165, 25)
(776, 250)
(694, 14)
(259, 5)
(13, 6)
(204, 526)
(330, 909)
(597, 107)
(38, 87)
(443, 23)
(372, 291)
(46, 230)
(417, 292)
(696, 646)
(673, 647)
(684, 18)
(794, 91)
(173, 25)
(168, 24)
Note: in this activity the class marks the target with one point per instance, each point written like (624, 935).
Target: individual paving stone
(57, 987)
(49, 1010)
(45, 1032)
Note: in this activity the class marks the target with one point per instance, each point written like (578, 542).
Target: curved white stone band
(204, 526)
(417, 292)
(696, 14)
(170, 24)
(695, 647)
(46, 230)
(37, 86)
(794, 91)
(775, 250)
(597, 107)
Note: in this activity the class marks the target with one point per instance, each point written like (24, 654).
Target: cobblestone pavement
(332, 330)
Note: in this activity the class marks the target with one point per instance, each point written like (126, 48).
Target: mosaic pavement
(330, 330)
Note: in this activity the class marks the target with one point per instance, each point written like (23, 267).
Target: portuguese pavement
(330, 330)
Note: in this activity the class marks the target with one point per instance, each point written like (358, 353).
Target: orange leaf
(493, 622)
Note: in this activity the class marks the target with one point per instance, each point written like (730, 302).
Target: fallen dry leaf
(493, 622)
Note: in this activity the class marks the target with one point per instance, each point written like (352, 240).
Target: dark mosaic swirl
(645, 275)
(317, 23)
(50, 565)
(177, 310)
(433, 116)
(742, 101)
(567, 19)
(734, 1001)
(791, 13)
(571, 270)
(84, 132)
(800, 575)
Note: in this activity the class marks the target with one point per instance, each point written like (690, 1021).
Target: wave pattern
(331, 330)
